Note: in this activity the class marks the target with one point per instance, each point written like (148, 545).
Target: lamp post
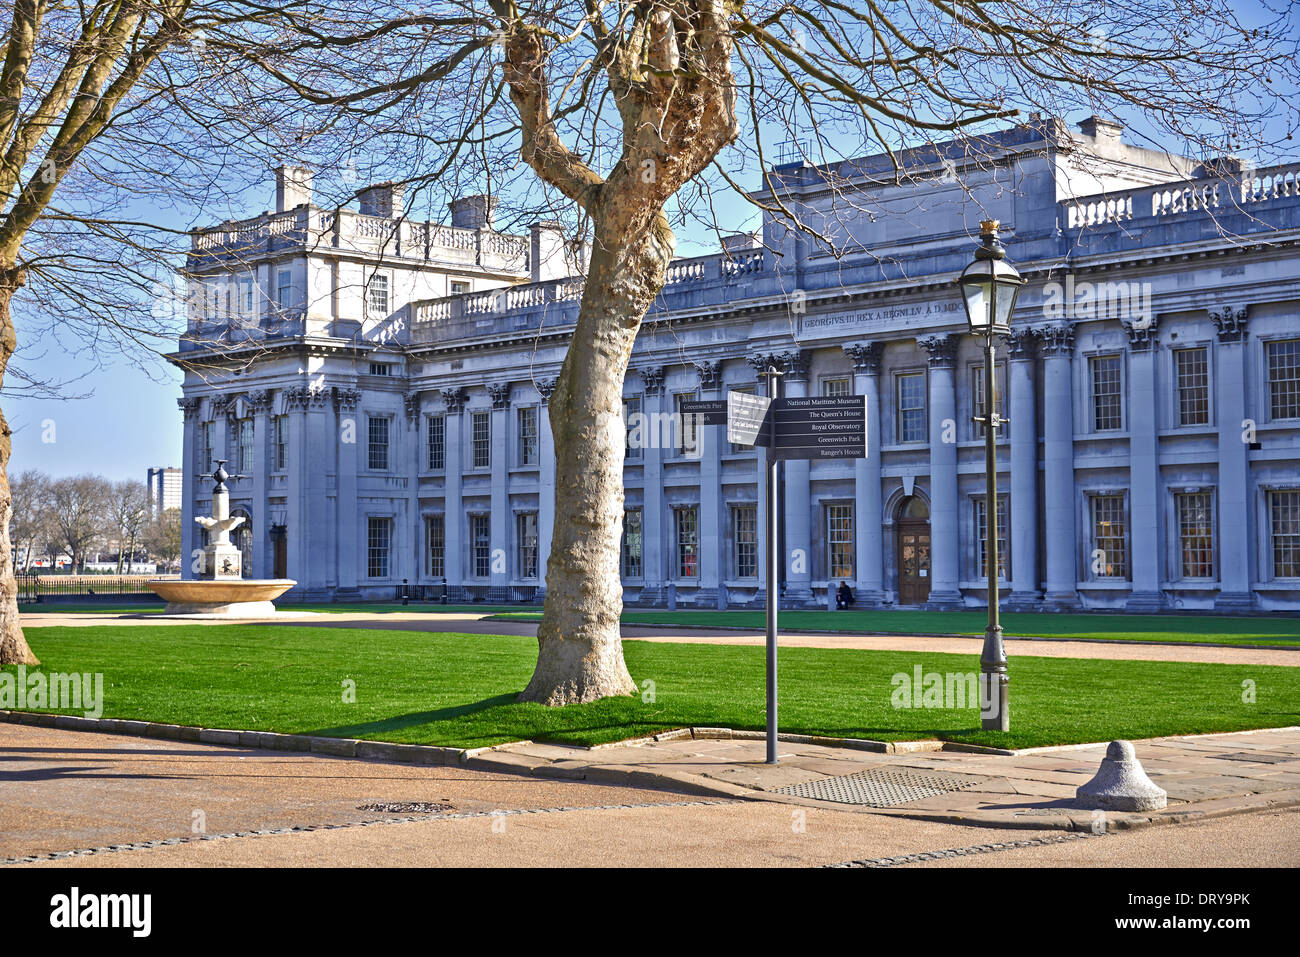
(989, 288)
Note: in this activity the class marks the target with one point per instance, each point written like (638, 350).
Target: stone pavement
(464, 623)
(1205, 776)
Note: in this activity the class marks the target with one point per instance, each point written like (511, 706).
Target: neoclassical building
(379, 388)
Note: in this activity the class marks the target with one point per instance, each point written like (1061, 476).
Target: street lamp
(989, 288)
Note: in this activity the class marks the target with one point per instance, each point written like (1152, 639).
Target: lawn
(1280, 631)
(460, 689)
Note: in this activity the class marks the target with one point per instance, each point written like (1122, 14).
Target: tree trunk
(13, 646)
(580, 647)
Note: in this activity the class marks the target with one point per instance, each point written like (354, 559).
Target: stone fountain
(220, 591)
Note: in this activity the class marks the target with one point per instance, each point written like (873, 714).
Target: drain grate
(880, 787)
(406, 807)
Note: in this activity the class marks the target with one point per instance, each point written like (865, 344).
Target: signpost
(803, 427)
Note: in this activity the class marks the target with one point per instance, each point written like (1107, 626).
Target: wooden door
(913, 562)
(281, 557)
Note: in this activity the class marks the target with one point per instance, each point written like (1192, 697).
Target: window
(839, 541)
(632, 543)
(377, 296)
(459, 288)
(688, 548)
(284, 289)
(377, 445)
(437, 438)
(1191, 378)
(1107, 394)
(1109, 537)
(528, 435)
(245, 457)
(912, 426)
(381, 368)
(1195, 516)
(744, 523)
(977, 395)
(842, 386)
(480, 538)
(982, 536)
(735, 448)
(526, 535)
(481, 439)
(1284, 379)
(281, 452)
(246, 295)
(631, 416)
(203, 449)
(689, 425)
(435, 535)
(379, 539)
(1284, 528)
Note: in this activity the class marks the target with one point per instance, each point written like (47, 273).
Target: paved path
(63, 791)
(478, 624)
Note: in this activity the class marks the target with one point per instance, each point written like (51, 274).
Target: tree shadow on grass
(402, 721)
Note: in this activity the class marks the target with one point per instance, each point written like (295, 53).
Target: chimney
(1101, 129)
(292, 187)
(382, 199)
(546, 253)
(473, 212)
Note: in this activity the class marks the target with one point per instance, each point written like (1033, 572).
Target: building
(165, 487)
(389, 426)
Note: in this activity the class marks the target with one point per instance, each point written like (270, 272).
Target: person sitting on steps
(844, 597)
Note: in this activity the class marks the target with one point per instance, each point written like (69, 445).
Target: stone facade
(1151, 460)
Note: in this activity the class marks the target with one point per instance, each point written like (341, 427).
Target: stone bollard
(1120, 783)
(672, 597)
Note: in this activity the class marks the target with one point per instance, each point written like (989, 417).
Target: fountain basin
(223, 598)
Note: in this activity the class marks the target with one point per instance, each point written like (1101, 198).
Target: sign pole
(772, 464)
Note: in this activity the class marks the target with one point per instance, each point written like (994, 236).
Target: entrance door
(281, 555)
(913, 552)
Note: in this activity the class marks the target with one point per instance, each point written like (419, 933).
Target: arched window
(913, 507)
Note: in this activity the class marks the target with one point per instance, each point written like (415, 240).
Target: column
(499, 588)
(1024, 470)
(189, 482)
(545, 480)
(351, 551)
(654, 568)
(798, 496)
(261, 403)
(944, 540)
(868, 519)
(1233, 494)
(317, 459)
(408, 533)
(1059, 499)
(454, 509)
(712, 508)
(1146, 536)
(296, 492)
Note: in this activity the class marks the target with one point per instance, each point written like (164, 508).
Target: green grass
(353, 608)
(1164, 628)
(460, 689)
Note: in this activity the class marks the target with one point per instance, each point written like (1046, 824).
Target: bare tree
(81, 514)
(616, 105)
(117, 122)
(162, 538)
(30, 522)
(128, 511)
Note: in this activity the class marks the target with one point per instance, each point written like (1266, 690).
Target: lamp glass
(979, 302)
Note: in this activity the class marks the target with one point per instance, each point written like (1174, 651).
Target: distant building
(384, 399)
(165, 486)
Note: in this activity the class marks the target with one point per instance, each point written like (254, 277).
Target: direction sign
(746, 415)
(710, 411)
(819, 427)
